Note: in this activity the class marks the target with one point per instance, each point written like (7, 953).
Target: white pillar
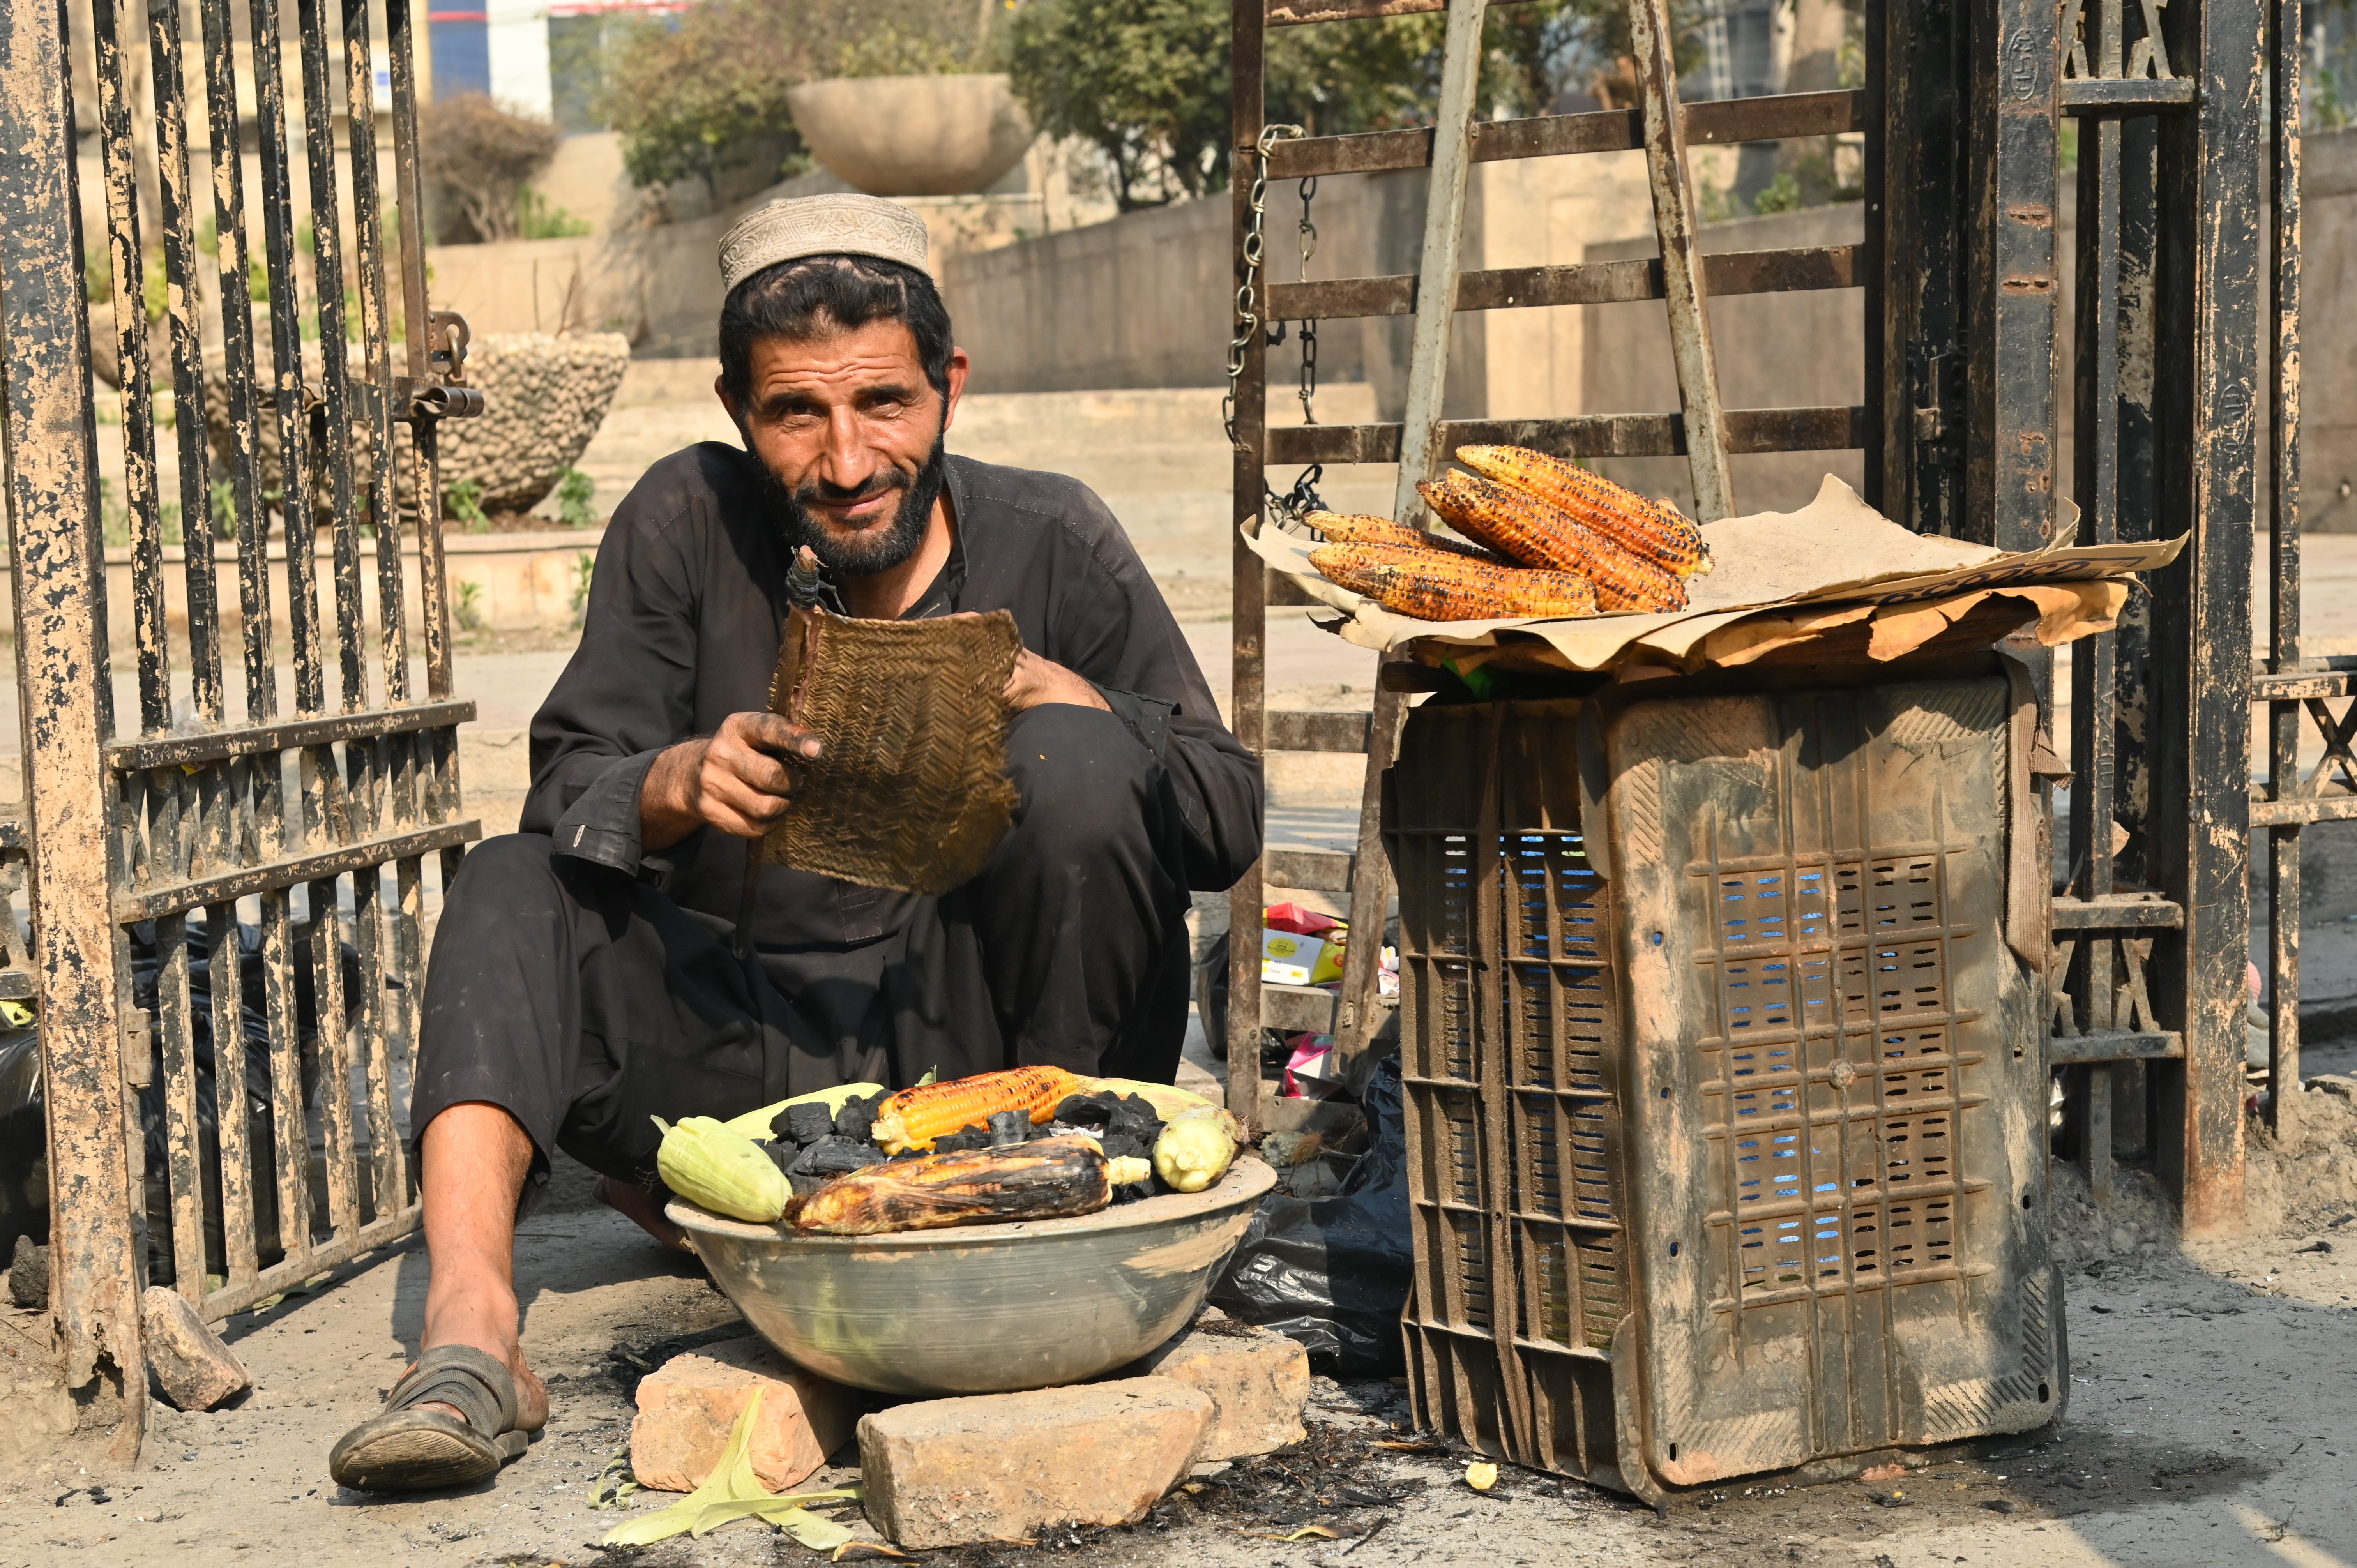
(518, 31)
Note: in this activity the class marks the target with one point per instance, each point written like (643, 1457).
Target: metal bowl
(981, 1308)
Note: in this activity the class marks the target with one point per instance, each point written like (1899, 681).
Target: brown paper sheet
(1835, 552)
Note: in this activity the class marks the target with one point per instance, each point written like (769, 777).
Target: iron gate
(315, 812)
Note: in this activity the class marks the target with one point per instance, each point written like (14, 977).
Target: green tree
(686, 96)
(1146, 82)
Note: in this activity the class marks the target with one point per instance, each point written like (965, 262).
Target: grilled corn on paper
(1837, 558)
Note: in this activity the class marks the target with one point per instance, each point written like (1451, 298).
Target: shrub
(481, 156)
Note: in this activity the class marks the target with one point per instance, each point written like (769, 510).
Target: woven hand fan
(909, 790)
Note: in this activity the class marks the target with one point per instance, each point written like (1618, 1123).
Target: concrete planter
(912, 135)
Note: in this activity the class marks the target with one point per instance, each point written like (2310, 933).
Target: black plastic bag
(23, 1137)
(1333, 1272)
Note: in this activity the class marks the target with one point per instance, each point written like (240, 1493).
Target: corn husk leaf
(1167, 1100)
(731, 1492)
(755, 1124)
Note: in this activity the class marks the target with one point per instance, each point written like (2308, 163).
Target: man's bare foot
(638, 1204)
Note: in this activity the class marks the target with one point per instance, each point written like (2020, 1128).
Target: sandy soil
(2240, 1354)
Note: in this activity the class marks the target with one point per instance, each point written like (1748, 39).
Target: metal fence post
(62, 682)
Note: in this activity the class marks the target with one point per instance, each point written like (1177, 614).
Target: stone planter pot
(912, 135)
(546, 398)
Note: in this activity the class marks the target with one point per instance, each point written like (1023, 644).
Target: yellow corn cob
(914, 1118)
(1541, 534)
(1357, 528)
(1430, 586)
(1621, 515)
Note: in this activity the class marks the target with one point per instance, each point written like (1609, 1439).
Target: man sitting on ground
(607, 965)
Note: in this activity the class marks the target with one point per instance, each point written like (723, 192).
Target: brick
(195, 1369)
(1256, 1377)
(689, 1406)
(1000, 1466)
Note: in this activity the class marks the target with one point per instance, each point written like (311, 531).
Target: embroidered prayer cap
(844, 224)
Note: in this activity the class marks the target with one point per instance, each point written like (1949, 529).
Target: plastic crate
(1725, 1121)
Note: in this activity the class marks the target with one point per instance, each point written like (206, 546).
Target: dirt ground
(2241, 1354)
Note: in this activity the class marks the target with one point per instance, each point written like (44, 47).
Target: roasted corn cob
(914, 1118)
(1038, 1180)
(1357, 528)
(1621, 515)
(1540, 533)
(1430, 586)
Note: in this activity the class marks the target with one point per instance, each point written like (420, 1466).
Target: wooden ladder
(1422, 443)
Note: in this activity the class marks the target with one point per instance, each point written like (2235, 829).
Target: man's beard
(876, 548)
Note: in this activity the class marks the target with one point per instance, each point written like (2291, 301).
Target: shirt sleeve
(628, 691)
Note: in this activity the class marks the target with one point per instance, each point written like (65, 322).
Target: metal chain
(1308, 329)
(1247, 311)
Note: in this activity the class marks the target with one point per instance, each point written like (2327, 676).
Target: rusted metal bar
(2301, 684)
(182, 287)
(1685, 289)
(277, 875)
(2284, 43)
(95, 1270)
(223, 113)
(1248, 679)
(1558, 136)
(294, 457)
(2302, 811)
(1420, 456)
(2088, 97)
(2091, 983)
(1874, 253)
(2014, 305)
(2117, 912)
(1749, 430)
(368, 247)
(286, 734)
(2115, 1045)
(409, 199)
(1590, 282)
(118, 157)
(2207, 368)
(239, 1295)
(334, 373)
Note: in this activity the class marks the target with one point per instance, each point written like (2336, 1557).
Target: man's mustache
(818, 492)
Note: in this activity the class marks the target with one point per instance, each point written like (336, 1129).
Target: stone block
(195, 1369)
(690, 1404)
(1000, 1467)
(1256, 1377)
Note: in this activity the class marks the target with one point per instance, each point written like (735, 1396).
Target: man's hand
(734, 780)
(1037, 681)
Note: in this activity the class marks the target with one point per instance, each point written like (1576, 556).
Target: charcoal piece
(835, 1156)
(1135, 1115)
(1121, 1145)
(1089, 1110)
(782, 1153)
(1130, 1192)
(806, 1122)
(856, 1119)
(963, 1139)
(1010, 1127)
